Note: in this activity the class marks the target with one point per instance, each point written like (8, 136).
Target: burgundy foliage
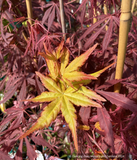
(19, 59)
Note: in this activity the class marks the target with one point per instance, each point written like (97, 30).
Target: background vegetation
(27, 31)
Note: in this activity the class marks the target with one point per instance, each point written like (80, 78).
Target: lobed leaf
(85, 115)
(46, 14)
(98, 73)
(53, 67)
(119, 100)
(108, 35)
(93, 27)
(95, 75)
(23, 91)
(3, 156)
(49, 83)
(110, 83)
(79, 61)
(93, 37)
(30, 151)
(47, 56)
(41, 141)
(87, 92)
(18, 155)
(51, 62)
(81, 100)
(68, 111)
(10, 92)
(64, 60)
(51, 18)
(77, 76)
(48, 115)
(66, 90)
(105, 124)
(91, 94)
(45, 97)
(58, 50)
(132, 122)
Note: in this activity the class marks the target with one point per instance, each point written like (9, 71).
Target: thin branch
(97, 146)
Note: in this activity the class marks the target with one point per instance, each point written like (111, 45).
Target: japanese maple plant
(58, 89)
(65, 84)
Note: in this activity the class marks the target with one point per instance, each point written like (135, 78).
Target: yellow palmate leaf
(81, 100)
(68, 111)
(45, 97)
(49, 83)
(48, 115)
(79, 61)
(65, 84)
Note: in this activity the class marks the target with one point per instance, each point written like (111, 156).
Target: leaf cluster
(26, 50)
